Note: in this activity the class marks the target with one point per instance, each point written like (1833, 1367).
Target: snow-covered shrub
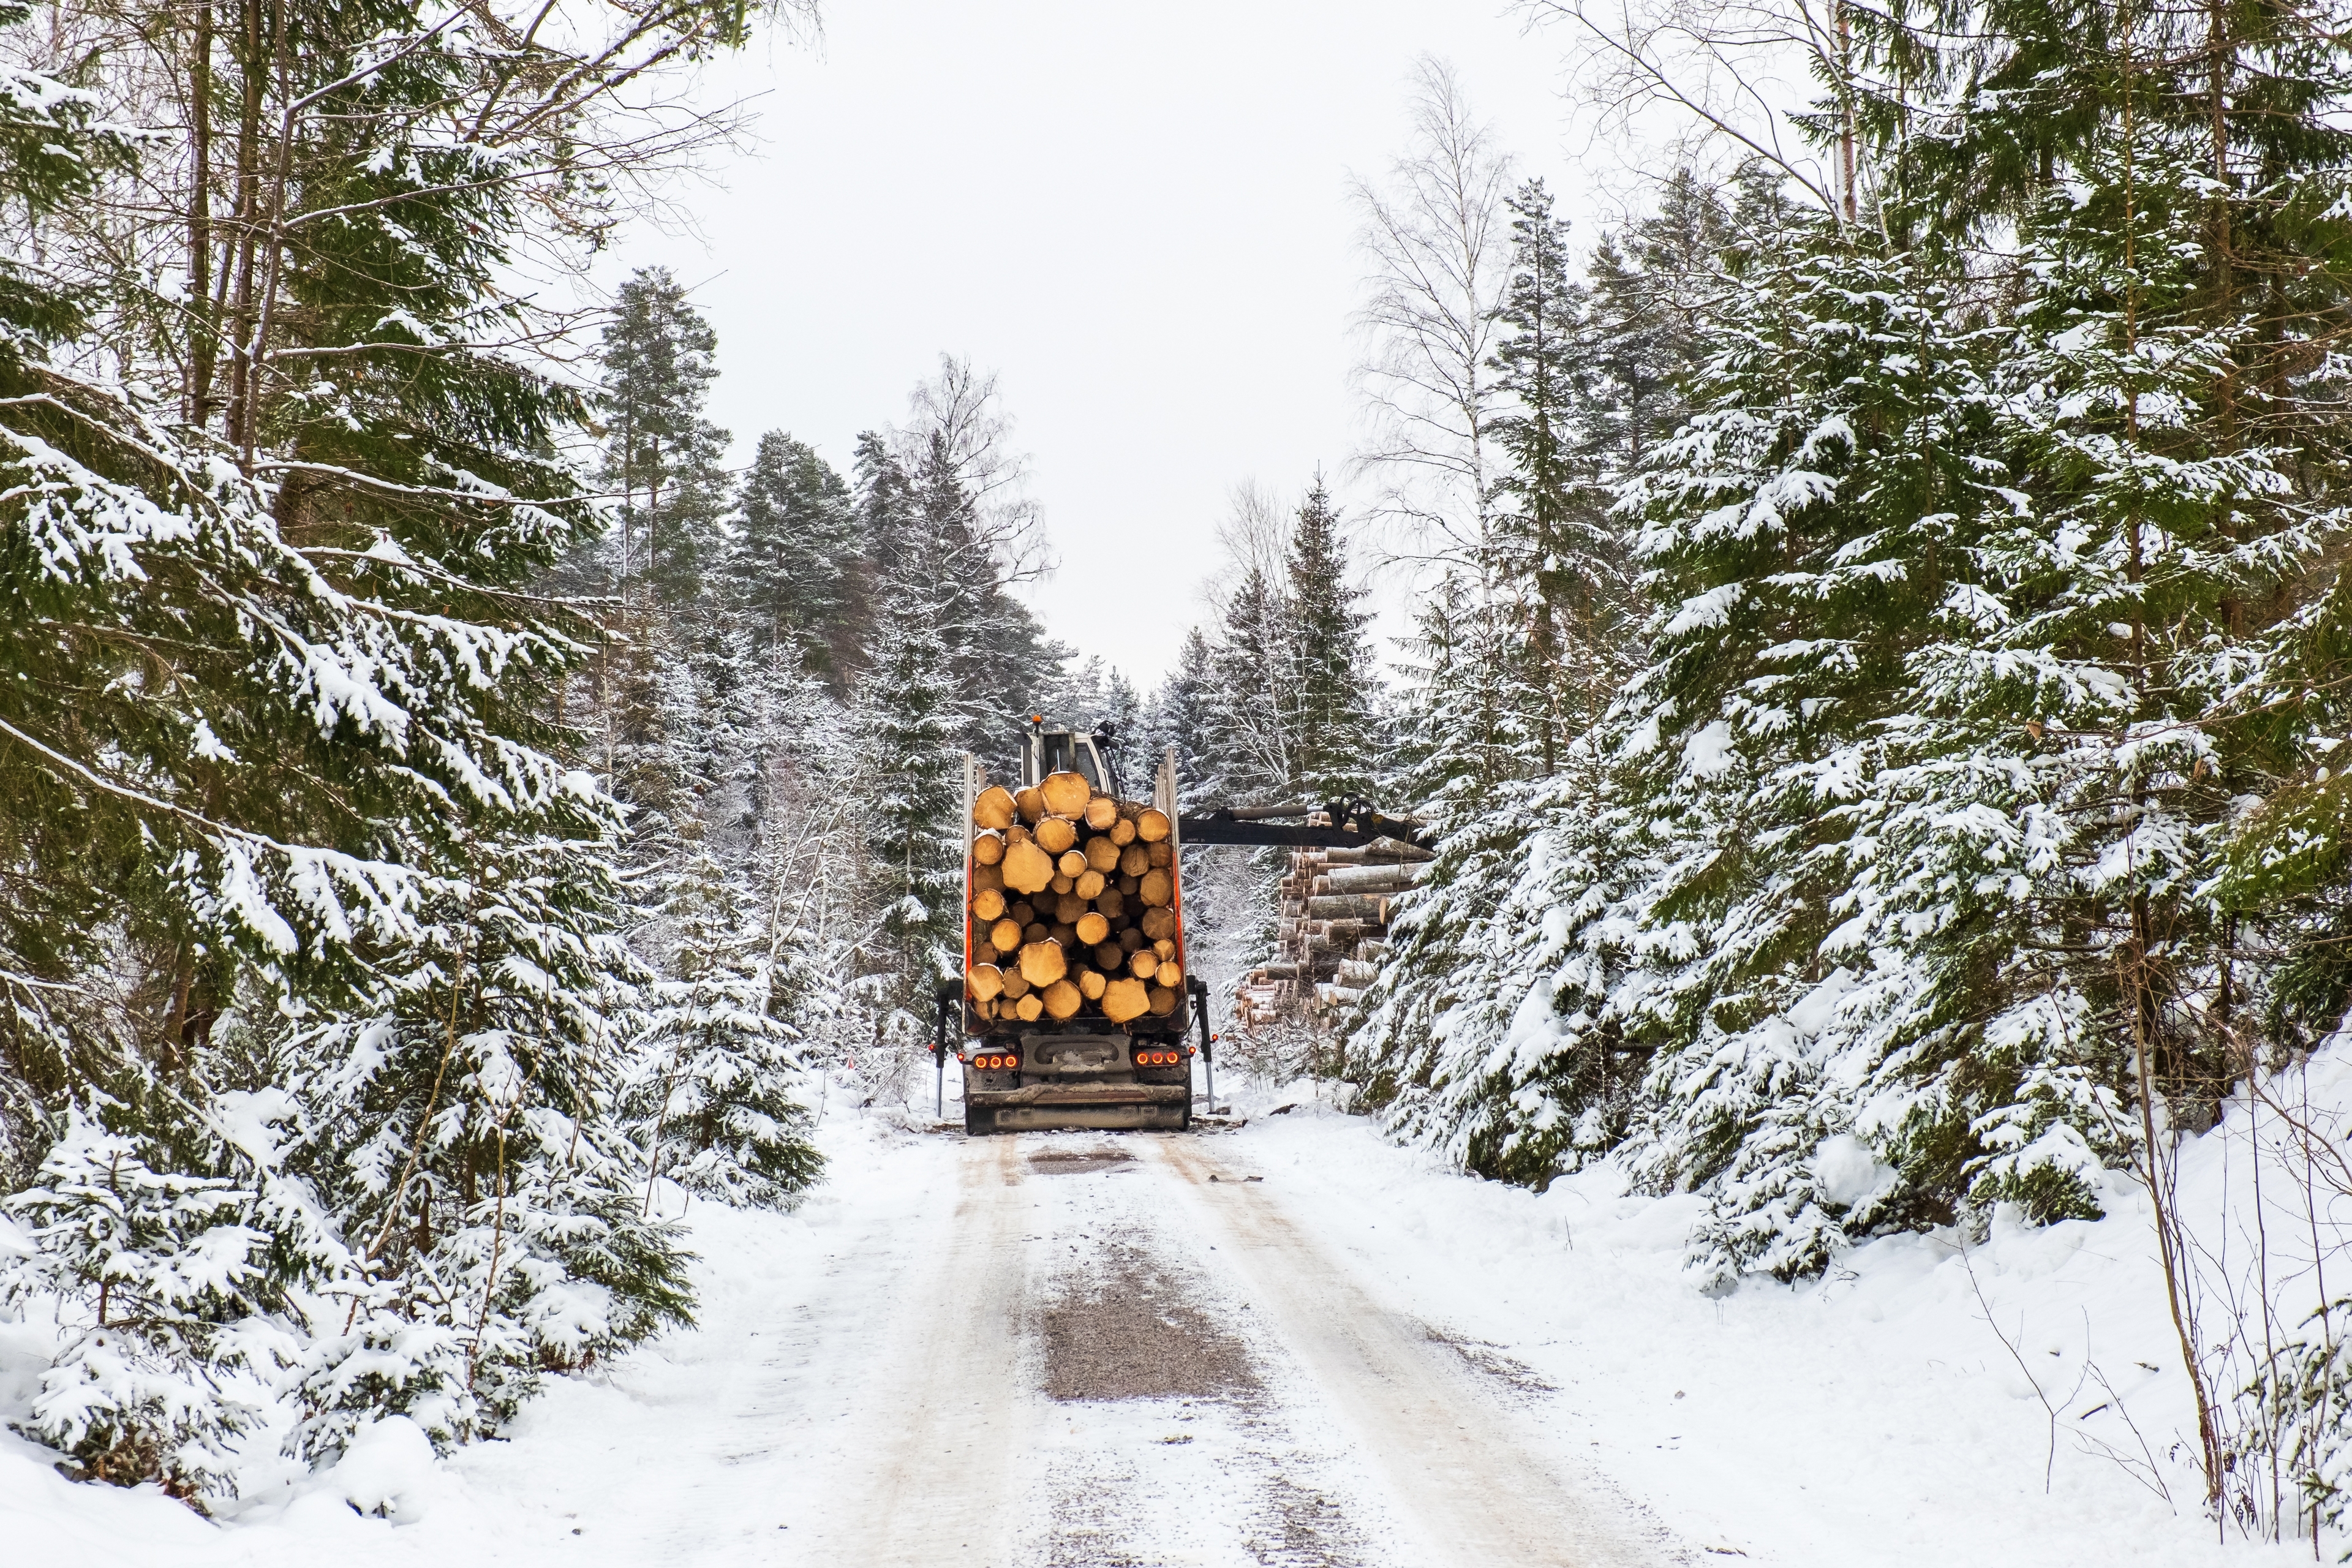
(162, 1283)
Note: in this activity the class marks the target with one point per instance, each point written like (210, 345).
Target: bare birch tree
(1435, 235)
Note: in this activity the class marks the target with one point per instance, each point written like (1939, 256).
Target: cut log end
(1155, 888)
(984, 981)
(1027, 869)
(1092, 927)
(1062, 999)
(1125, 999)
(1055, 833)
(1151, 824)
(1102, 812)
(1041, 963)
(989, 905)
(994, 809)
(1065, 793)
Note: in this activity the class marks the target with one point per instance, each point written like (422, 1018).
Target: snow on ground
(1874, 1418)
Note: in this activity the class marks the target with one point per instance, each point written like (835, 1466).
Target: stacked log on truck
(1332, 933)
(1075, 908)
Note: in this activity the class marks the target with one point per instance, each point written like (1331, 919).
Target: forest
(1879, 644)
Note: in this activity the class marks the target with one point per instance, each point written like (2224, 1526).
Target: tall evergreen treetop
(1333, 686)
(660, 357)
(796, 564)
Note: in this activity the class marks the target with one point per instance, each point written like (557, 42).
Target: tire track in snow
(1453, 1464)
(936, 1454)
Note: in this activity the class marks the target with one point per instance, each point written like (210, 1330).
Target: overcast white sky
(1136, 215)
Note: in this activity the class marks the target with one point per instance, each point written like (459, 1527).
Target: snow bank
(604, 1463)
(1937, 1399)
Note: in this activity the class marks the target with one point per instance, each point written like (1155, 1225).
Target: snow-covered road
(1122, 1349)
(1292, 1346)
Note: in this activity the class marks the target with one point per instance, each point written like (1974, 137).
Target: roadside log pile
(1332, 933)
(1072, 907)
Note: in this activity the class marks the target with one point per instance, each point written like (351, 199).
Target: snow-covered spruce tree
(468, 1136)
(794, 565)
(1651, 287)
(1251, 701)
(1517, 656)
(1806, 534)
(176, 1309)
(908, 798)
(271, 508)
(1464, 748)
(162, 850)
(1553, 560)
(1460, 1040)
(1334, 686)
(714, 1099)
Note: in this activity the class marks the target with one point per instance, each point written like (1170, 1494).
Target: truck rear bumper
(1107, 1105)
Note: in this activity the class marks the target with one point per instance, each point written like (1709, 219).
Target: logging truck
(1077, 1006)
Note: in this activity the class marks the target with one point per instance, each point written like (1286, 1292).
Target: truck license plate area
(1078, 1056)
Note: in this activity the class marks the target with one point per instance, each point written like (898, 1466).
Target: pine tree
(663, 456)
